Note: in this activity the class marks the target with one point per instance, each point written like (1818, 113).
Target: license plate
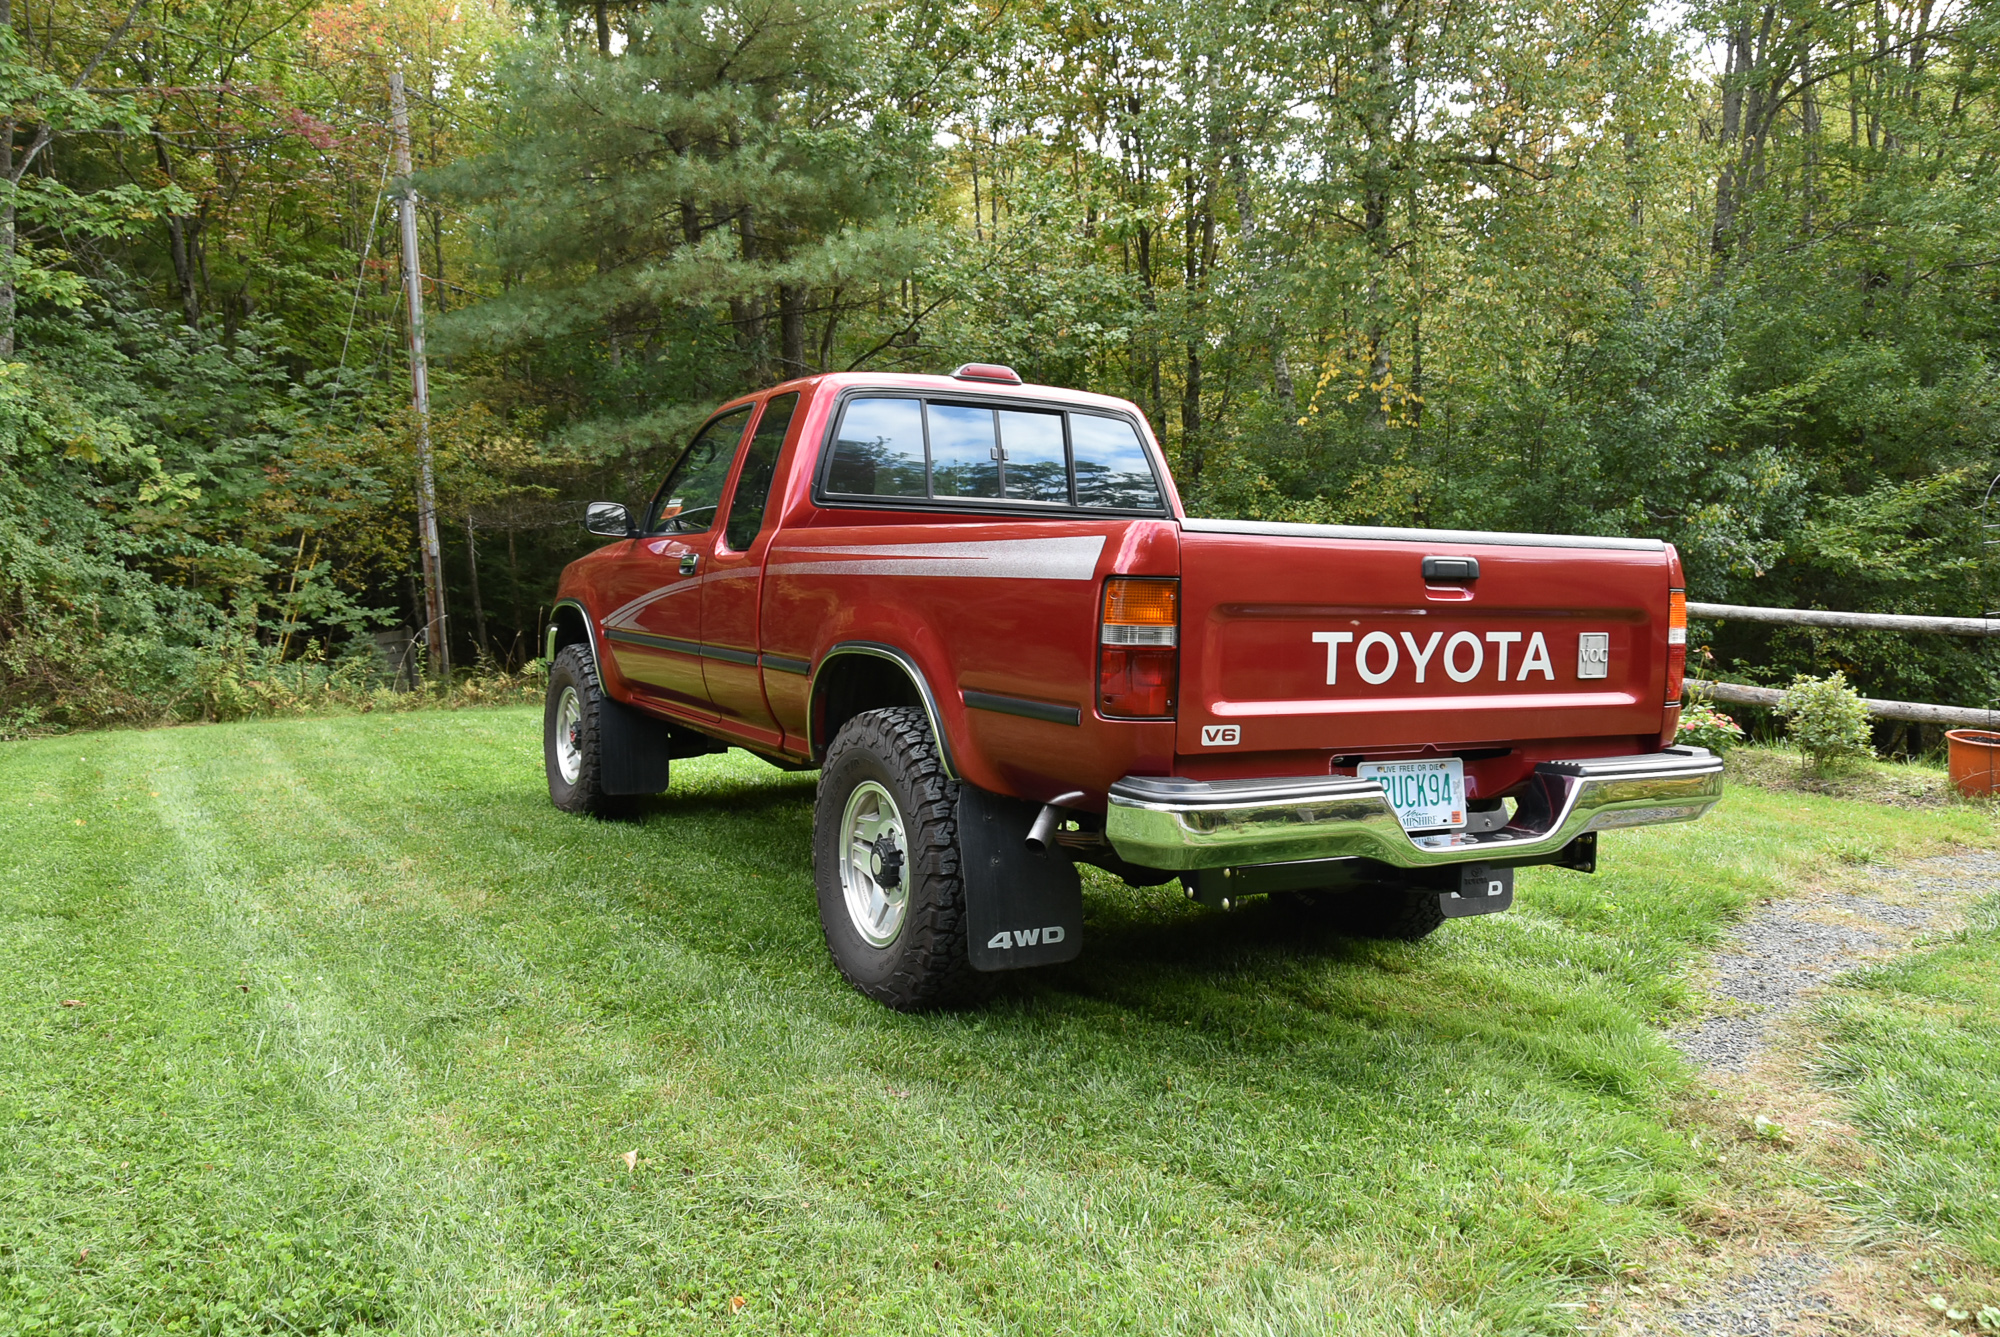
(1427, 795)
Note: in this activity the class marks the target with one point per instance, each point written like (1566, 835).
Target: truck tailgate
(1329, 637)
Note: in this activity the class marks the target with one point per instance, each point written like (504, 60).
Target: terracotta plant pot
(1975, 760)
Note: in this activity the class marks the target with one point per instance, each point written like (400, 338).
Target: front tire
(887, 865)
(572, 736)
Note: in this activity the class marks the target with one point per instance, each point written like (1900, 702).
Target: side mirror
(609, 519)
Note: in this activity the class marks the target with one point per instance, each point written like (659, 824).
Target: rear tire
(1385, 913)
(572, 723)
(887, 865)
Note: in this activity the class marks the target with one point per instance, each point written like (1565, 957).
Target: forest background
(1726, 274)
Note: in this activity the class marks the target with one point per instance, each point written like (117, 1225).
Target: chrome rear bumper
(1162, 822)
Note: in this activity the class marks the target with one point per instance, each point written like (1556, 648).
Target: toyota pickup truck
(978, 609)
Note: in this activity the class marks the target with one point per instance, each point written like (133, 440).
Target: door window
(687, 501)
(760, 473)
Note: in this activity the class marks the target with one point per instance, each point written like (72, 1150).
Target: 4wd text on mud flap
(1027, 937)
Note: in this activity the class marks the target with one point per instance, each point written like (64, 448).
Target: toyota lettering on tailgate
(1503, 656)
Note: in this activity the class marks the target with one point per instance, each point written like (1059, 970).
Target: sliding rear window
(901, 448)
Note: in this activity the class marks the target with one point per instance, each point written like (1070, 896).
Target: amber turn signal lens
(1131, 602)
(1677, 644)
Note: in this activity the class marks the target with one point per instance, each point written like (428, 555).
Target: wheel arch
(569, 624)
(857, 676)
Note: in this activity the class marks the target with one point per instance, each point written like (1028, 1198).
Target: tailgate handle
(1451, 568)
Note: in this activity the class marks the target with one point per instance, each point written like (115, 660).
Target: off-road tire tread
(586, 796)
(933, 967)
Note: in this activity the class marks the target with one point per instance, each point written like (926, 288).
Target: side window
(965, 458)
(687, 500)
(878, 450)
(760, 473)
(1031, 451)
(921, 449)
(1111, 466)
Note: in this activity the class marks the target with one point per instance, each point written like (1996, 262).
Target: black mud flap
(634, 748)
(1021, 908)
(1481, 891)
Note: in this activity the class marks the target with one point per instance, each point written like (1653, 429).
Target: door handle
(689, 561)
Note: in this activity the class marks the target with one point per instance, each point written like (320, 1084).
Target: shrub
(1705, 726)
(1826, 720)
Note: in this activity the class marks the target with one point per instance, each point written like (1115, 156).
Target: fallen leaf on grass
(631, 1159)
(736, 1303)
(72, 1002)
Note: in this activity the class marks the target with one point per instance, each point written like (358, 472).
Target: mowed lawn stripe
(464, 1006)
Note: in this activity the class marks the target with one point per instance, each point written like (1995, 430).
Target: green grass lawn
(362, 1030)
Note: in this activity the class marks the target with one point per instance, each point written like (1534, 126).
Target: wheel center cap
(885, 862)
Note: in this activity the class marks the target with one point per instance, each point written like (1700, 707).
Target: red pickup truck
(977, 607)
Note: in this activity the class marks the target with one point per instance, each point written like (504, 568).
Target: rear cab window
(940, 450)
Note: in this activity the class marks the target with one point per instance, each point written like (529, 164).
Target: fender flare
(589, 633)
(877, 650)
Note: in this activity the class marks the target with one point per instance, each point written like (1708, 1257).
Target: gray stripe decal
(1279, 529)
(1029, 710)
(624, 613)
(985, 559)
(786, 664)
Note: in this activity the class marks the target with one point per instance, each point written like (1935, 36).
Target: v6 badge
(1221, 735)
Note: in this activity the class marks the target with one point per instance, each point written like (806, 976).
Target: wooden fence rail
(1816, 617)
(1735, 693)
(1914, 711)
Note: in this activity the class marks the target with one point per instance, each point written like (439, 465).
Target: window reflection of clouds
(962, 458)
(1111, 466)
(1037, 464)
(879, 449)
(983, 453)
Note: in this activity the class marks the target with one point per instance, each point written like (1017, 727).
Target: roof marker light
(987, 371)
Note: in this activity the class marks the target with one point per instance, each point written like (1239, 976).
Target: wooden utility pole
(438, 652)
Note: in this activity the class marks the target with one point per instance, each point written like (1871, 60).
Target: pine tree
(712, 207)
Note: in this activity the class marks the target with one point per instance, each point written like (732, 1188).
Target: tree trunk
(792, 330)
(8, 243)
(826, 337)
(437, 254)
(603, 30)
(178, 236)
(1150, 365)
(1378, 126)
(472, 570)
(1253, 237)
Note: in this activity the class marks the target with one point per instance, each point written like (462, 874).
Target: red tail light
(1138, 653)
(1677, 643)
